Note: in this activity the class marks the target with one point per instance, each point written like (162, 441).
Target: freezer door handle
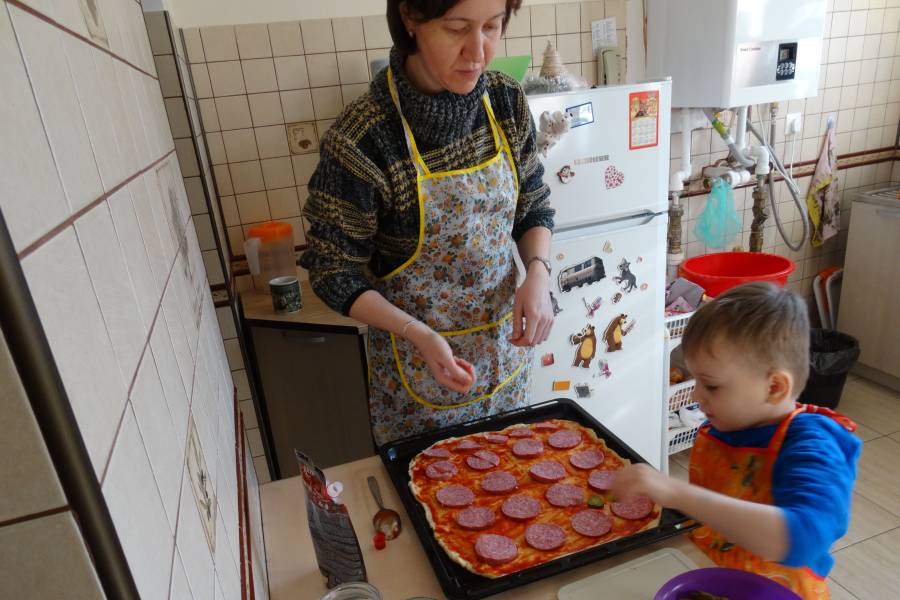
(887, 213)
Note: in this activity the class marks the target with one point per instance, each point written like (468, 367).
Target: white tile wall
(30, 169)
(192, 545)
(120, 286)
(61, 286)
(47, 555)
(29, 482)
(45, 58)
(117, 271)
(137, 510)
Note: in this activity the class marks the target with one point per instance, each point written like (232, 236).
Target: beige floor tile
(870, 569)
(839, 593)
(878, 478)
(866, 433)
(896, 436)
(683, 459)
(867, 520)
(872, 405)
(677, 471)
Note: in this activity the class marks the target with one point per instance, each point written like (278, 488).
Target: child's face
(734, 393)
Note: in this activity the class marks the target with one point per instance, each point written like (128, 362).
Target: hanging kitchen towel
(719, 223)
(822, 199)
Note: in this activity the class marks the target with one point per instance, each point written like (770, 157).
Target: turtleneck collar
(439, 118)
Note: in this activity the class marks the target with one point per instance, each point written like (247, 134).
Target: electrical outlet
(793, 123)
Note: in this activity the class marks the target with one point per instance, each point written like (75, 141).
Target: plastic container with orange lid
(270, 252)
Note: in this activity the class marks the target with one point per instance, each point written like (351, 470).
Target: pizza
(502, 501)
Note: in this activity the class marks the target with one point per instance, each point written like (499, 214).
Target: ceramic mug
(285, 294)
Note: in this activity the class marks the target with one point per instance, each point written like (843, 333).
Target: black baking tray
(460, 584)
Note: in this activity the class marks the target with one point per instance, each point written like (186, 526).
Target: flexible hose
(792, 186)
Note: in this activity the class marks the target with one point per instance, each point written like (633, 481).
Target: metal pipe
(34, 362)
(795, 194)
(722, 130)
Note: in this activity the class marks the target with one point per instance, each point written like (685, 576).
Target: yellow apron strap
(492, 121)
(502, 144)
(490, 394)
(410, 139)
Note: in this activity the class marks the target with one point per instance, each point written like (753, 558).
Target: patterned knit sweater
(363, 207)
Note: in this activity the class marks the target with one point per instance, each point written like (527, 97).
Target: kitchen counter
(314, 316)
(399, 571)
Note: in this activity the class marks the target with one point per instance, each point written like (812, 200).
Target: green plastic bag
(719, 223)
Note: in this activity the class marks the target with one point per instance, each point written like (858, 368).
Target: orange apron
(746, 473)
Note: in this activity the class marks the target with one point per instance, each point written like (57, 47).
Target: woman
(426, 185)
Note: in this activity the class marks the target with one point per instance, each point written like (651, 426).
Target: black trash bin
(831, 356)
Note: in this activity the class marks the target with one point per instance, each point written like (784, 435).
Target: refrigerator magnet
(643, 119)
(565, 174)
(629, 325)
(583, 390)
(547, 359)
(608, 247)
(626, 278)
(586, 348)
(616, 297)
(555, 304)
(644, 287)
(582, 114)
(560, 257)
(592, 307)
(584, 273)
(614, 333)
(603, 367)
(561, 385)
(613, 177)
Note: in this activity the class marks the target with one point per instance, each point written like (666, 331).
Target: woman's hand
(532, 304)
(450, 371)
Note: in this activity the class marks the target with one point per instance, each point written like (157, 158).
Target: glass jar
(355, 590)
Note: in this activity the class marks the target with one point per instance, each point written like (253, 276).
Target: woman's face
(456, 48)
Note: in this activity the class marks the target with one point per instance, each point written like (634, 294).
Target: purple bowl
(730, 583)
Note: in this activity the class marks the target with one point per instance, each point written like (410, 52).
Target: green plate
(514, 66)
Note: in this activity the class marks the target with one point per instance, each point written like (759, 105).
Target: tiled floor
(867, 559)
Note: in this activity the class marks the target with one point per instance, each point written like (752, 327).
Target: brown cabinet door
(314, 390)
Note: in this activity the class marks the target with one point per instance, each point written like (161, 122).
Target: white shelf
(682, 438)
(680, 394)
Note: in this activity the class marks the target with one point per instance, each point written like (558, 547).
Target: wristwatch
(542, 260)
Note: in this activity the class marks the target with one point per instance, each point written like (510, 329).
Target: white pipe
(686, 131)
(740, 139)
(680, 177)
(761, 155)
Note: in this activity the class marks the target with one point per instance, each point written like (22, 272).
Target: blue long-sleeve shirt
(812, 482)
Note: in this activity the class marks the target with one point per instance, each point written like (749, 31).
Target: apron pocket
(497, 364)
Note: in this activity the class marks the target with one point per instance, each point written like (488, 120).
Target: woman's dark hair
(422, 11)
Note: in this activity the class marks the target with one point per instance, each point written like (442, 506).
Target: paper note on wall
(603, 34)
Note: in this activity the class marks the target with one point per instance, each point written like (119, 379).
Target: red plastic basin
(722, 271)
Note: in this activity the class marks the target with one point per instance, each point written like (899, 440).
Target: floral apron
(746, 473)
(461, 282)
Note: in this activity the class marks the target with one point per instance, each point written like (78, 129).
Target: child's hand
(637, 480)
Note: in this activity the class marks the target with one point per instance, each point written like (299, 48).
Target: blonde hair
(769, 325)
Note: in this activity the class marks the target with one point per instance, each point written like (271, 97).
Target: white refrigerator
(608, 177)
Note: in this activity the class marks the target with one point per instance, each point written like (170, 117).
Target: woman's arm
(760, 528)
(454, 373)
(532, 311)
